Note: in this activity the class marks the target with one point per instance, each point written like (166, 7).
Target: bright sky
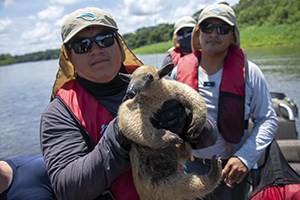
(34, 25)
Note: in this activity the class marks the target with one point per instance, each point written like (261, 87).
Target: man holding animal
(85, 154)
(235, 91)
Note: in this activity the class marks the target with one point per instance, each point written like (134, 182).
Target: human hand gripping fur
(172, 116)
(156, 154)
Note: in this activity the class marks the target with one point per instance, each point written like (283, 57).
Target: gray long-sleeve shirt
(74, 171)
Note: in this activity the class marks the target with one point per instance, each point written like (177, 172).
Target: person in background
(24, 178)
(85, 154)
(235, 92)
(182, 35)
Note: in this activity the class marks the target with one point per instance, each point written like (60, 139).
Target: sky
(28, 26)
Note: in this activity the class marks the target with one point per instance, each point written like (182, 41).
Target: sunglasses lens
(84, 45)
(105, 40)
(222, 29)
(207, 28)
(184, 33)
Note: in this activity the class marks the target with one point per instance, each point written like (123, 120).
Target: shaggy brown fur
(155, 153)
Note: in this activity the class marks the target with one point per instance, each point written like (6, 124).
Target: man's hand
(171, 116)
(234, 171)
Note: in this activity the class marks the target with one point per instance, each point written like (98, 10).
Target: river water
(26, 88)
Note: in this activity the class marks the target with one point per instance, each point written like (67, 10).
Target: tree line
(7, 59)
(249, 13)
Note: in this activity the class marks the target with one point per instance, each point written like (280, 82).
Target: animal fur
(156, 153)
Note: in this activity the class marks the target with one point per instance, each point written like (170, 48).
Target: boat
(287, 139)
(287, 135)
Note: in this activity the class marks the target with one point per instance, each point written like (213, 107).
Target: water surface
(26, 89)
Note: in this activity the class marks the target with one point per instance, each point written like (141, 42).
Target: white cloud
(41, 37)
(36, 26)
(3, 40)
(142, 7)
(51, 13)
(8, 3)
(64, 2)
(137, 14)
(36, 33)
(44, 30)
(4, 24)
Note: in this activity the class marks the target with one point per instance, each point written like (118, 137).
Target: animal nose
(130, 93)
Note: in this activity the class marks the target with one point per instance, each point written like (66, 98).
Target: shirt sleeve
(76, 172)
(173, 74)
(259, 107)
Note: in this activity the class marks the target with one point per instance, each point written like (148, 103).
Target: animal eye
(150, 77)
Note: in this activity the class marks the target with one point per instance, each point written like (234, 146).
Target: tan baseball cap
(185, 21)
(82, 18)
(220, 11)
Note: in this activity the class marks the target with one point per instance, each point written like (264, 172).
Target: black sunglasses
(184, 33)
(222, 29)
(84, 45)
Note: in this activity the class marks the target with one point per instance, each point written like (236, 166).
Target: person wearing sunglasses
(85, 154)
(235, 92)
(182, 35)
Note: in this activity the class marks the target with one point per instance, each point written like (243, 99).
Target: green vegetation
(251, 36)
(160, 47)
(6, 59)
(270, 35)
(261, 23)
(149, 35)
(266, 12)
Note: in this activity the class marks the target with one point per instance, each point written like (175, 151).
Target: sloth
(157, 155)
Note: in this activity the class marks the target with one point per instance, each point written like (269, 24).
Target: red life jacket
(232, 90)
(175, 55)
(94, 118)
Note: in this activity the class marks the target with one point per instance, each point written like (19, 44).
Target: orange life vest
(94, 118)
(232, 90)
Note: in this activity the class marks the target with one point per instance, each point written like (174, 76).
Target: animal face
(142, 80)
(139, 84)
